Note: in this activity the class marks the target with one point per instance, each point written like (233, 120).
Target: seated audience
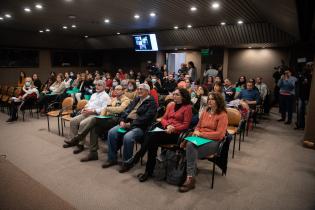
(37, 83)
(131, 91)
(47, 96)
(135, 120)
(176, 119)
(250, 95)
(212, 125)
(22, 77)
(170, 84)
(228, 90)
(28, 96)
(81, 125)
(101, 126)
(217, 88)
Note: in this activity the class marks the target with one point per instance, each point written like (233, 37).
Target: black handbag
(176, 167)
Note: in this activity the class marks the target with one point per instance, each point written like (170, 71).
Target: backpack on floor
(171, 166)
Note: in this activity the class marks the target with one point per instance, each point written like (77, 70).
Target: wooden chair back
(234, 116)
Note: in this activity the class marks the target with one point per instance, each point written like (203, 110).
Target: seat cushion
(232, 130)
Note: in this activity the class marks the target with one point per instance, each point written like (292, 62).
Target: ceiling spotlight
(1, 18)
(193, 9)
(152, 14)
(38, 6)
(175, 27)
(215, 5)
(73, 26)
(223, 23)
(118, 33)
(189, 26)
(47, 30)
(65, 27)
(41, 31)
(136, 16)
(7, 15)
(86, 36)
(240, 22)
(175, 49)
(106, 21)
(27, 9)
(250, 47)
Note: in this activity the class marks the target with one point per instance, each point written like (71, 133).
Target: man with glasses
(81, 124)
(133, 123)
(111, 115)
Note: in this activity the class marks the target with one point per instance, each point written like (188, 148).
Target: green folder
(104, 117)
(87, 97)
(122, 130)
(198, 141)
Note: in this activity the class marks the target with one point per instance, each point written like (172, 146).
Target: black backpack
(171, 166)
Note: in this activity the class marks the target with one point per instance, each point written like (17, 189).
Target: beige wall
(255, 62)
(10, 75)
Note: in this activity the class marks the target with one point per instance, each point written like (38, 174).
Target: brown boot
(188, 185)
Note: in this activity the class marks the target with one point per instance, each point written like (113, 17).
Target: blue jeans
(114, 142)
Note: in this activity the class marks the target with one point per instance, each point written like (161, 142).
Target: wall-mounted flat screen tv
(145, 42)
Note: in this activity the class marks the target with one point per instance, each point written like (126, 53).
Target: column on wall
(309, 135)
(225, 63)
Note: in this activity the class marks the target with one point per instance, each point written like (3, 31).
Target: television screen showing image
(145, 42)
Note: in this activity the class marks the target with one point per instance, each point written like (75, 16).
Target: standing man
(286, 98)
(81, 124)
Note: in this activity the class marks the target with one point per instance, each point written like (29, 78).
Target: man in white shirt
(82, 124)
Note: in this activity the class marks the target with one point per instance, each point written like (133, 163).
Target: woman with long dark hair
(176, 119)
(212, 125)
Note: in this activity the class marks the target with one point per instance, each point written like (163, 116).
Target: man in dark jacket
(134, 121)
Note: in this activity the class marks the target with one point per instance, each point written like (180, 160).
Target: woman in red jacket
(176, 119)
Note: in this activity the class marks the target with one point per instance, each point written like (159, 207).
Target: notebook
(198, 141)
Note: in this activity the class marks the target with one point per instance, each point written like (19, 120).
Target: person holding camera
(286, 85)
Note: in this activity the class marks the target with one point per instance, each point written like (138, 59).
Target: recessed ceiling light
(185, 48)
(250, 47)
(1, 18)
(65, 27)
(175, 49)
(47, 30)
(7, 15)
(223, 23)
(72, 17)
(193, 9)
(136, 16)
(38, 6)
(41, 31)
(152, 14)
(73, 26)
(68, 0)
(215, 5)
(175, 27)
(86, 36)
(240, 22)
(27, 9)
(189, 26)
(106, 21)
(118, 33)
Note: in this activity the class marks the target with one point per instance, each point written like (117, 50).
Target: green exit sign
(205, 52)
